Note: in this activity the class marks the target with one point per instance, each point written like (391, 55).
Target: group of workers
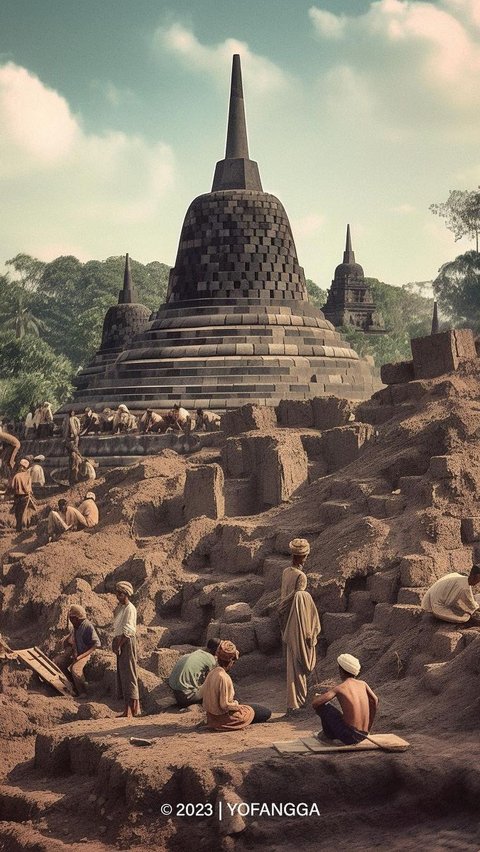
(204, 675)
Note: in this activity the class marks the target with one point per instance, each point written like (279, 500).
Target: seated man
(85, 516)
(224, 713)
(87, 469)
(189, 673)
(57, 520)
(90, 423)
(37, 473)
(123, 420)
(79, 646)
(451, 598)
(358, 702)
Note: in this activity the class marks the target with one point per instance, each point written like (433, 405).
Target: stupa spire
(348, 254)
(435, 325)
(237, 170)
(127, 295)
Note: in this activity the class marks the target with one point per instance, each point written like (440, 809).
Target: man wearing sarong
(124, 646)
(86, 516)
(189, 672)
(300, 627)
(224, 713)
(451, 598)
(45, 421)
(299, 548)
(79, 646)
(358, 702)
(71, 430)
(23, 505)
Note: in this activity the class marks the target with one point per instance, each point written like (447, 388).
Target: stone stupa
(350, 301)
(237, 325)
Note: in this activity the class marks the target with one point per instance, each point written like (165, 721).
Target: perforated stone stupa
(237, 324)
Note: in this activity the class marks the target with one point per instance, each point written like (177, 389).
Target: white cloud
(258, 72)
(327, 24)
(67, 187)
(415, 64)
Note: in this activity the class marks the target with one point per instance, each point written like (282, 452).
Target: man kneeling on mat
(358, 702)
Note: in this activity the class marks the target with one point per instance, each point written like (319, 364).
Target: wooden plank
(385, 741)
(36, 660)
(291, 747)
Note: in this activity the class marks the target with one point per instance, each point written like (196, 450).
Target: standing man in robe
(299, 548)
(300, 626)
(451, 598)
(125, 647)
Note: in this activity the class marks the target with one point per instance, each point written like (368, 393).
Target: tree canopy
(461, 212)
(457, 289)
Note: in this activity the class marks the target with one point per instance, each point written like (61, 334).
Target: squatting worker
(451, 598)
(224, 713)
(57, 520)
(125, 647)
(358, 702)
(189, 672)
(299, 548)
(300, 626)
(79, 646)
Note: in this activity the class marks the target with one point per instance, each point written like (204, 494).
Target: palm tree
(23, 321)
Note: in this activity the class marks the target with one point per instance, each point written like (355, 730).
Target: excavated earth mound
(384, 521)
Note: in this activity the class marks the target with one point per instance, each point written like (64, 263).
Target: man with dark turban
(300, 627)
(79, 646)
(224, 713)
(125, 647)
(358, 702)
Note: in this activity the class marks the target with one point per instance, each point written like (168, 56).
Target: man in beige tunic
(299, 548)
(85, 516)
(451, 598)
(300, 628)
(224, 712)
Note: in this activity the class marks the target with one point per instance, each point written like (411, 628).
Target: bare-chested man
(358, 702)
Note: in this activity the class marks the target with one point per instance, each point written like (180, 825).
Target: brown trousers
(72, 667)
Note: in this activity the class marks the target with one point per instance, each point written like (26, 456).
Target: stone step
(273, 567)
(447, 642)
(337, 624)
(394, 619)
(334, 511)
(386, 505)
(407, 595)
(18, 805)
(360, 602)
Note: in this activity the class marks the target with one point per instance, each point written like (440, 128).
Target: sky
(113, 115)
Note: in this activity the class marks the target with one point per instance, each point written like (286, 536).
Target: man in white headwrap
(299, 548)
(300, 626)
(123, 420)
(79, 646)
(124, 646)
(358, 702)
(37, 473)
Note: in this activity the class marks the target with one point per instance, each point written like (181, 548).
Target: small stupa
(350, 302)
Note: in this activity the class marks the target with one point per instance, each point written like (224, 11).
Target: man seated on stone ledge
(207, 421)
(189, 673)
(224, 712)
(123, 420)
(79, 646)
(180, 419)
(451, 598)
(358, 702)
(91, 423)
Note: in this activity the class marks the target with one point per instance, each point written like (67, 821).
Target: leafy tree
(23, 320)
(28, 269)
(457, 289)
(316, 295)
(461, 212)
(31, 372)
